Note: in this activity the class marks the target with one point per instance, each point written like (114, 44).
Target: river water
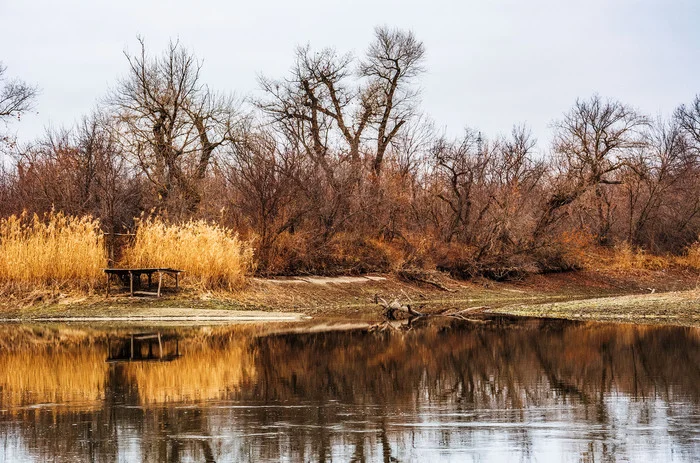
(500, 389)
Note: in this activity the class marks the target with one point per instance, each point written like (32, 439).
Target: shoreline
(663, 297)
(677, 308)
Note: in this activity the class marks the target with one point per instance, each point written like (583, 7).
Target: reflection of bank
(143, 347)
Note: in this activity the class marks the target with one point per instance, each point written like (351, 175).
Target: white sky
(490, 63)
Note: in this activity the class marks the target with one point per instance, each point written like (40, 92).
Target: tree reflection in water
(502, 389)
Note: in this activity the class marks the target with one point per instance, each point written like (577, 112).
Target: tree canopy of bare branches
(170, 124)
(333, 100)
(16, 98)
(335, 168)
(591, 143)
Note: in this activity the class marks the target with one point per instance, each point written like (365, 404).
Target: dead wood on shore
(391, 309)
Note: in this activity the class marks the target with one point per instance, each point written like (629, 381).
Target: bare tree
(170, 124)
(326, 101)
(16, 97)
(463, 164)
(650, 176)
(391, 63)
(112, 191)
(411, 146)
(339, 111)
(78, 171)
(592, 142)
(688, 118)
(517, 177)
(308, 106)
(265, 180)
(489, 189)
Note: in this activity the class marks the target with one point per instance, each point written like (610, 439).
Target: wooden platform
(131, 276)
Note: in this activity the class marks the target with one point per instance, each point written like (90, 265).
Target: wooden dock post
(131, 283)
(128, 275)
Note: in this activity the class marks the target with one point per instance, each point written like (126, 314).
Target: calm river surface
(499, 390)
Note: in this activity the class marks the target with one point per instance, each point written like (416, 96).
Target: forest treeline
(335, 168)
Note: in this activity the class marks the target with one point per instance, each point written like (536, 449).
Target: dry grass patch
(627, 257)
(675, 308)
(691, 258)
(212, 256)
(53, 250)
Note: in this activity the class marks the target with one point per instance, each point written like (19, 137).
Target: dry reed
(691, 257)
(627, 257)
(212, 256)
(55, 249)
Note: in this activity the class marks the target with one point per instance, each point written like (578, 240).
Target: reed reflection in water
(503, 389)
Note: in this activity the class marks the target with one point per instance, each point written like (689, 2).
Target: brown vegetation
(67, 252)
(212, 256)
(335, 170)
(56, 250)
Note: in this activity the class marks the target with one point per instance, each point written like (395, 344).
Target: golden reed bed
(66, 252)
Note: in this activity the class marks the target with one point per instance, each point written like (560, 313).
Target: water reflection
(144, 347)
(499, 390)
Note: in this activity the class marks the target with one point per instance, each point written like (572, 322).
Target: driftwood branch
(391, 308)
(460, 314)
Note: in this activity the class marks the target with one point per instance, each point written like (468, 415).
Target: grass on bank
(627, 258)
(212, 256)
(53, 250)
(59, 251)
(676, 308)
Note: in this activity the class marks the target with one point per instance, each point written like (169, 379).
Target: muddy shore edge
(664, 297)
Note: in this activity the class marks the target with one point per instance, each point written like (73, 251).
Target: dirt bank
(576, 295)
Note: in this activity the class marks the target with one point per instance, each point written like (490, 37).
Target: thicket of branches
(336, 169)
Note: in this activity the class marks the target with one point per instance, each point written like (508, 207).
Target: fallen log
(390, 308)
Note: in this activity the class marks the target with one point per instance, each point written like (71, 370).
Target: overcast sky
(490, 63)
